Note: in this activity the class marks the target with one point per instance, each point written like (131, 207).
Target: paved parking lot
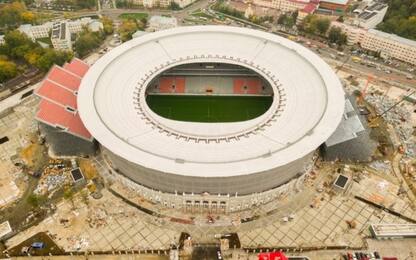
(104, 225)
(322, 226)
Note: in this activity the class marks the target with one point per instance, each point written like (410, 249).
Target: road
(328, 53)
(179, 14)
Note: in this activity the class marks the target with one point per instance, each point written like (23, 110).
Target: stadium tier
(209, 109)
(58, 110)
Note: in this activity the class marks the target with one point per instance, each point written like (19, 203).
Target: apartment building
(389, 45)
(61, 36)
(354, 34)
(77, 26)
(370, 16)
(36, 31)
(284, 5)
(335, 6)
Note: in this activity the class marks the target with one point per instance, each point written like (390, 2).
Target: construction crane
(361, 98)
(375, 121)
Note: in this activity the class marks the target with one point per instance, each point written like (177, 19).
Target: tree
(69, 195)
(281, 19)
(87, 41)
(322, 25)
(287, 20)
(33, 55)
(8, 70)
(336, 35)
(313, 24)
(84, 197)
(127, 28)
(35, 200)
(295, 15)
(85, 4)
(10, 14)
(400, 18)
(51, 57)
(28, 17)
(174, 6)
(18, 44)
(107, 25)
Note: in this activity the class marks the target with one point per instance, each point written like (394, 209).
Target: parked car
(38, 245)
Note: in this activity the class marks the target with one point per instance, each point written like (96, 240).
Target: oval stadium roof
(307, 108)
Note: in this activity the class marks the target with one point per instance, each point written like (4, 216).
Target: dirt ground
(34, 155)
(88, 169)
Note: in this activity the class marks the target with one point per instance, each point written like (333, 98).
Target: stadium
(210, 109)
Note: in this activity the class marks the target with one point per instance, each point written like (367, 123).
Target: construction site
(358, 196)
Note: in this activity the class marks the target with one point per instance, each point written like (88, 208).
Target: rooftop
(58, 107)
(393, 37)
(112, 105)
(339, 2)
(64, 78)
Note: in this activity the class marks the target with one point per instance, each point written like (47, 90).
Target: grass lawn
(136, 16)
(201, 14)
(209, 108)
(46, 40)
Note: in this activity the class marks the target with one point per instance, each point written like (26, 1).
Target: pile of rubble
(381, 166)
(399, 117)
(50, 183)
(97, 218)
(78, 243)
(54, 176)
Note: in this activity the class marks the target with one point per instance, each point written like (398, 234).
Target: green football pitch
(209, 108)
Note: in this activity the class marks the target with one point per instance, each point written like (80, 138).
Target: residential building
(63, 41)
(77, 26)
(61, 36)
(354, 34)
(335, 6)
(284, 5)
(36, 31)
(307, 10)
(370, 16)
(389, 45)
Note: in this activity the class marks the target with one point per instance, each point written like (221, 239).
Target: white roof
(307, 108)
(339, 2)
(393, 37)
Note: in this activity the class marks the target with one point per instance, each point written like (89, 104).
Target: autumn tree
(127, 28)
(107, 25)
(8, 69)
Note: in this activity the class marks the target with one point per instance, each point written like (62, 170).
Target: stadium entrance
(209, 92)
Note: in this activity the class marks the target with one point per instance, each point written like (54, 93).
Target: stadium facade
(244, 157)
